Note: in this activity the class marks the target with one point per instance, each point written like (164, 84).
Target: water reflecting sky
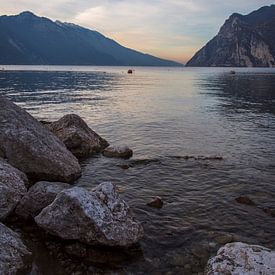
(165, 114)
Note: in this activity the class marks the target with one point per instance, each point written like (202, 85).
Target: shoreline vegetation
(38, 165)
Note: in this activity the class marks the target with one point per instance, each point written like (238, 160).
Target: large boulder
(38, 197)
(94, 217)
(32, 148)
(241, 258)
(118, 152)
(12, 252)
(73, 131)
(12, 188)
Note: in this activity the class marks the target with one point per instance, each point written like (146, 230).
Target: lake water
(164, 114)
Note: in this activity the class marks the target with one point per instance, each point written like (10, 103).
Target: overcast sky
(173, 29)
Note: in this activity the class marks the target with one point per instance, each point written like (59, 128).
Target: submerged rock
(270, 211)
(190, 157)
(241, 258)
(93, 217)
(224, 238)
(32, 148)
(245, 200)
(73, 131)
(118, 152)
(38, 197)
(124, 166)
(12, 252)
(201, 253)
(156, 202)
(12, 188)
(139, 162)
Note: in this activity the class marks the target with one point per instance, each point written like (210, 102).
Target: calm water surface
(164, 114)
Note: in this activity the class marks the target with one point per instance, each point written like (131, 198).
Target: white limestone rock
(94, 217)
(242, 259)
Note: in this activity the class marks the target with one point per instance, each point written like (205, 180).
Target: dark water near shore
(164, 114)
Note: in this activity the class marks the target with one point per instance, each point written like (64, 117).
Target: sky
(172, 29)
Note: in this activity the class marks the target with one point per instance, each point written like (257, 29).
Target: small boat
(130, 71)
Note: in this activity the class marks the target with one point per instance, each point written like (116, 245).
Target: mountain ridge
(27, 39)
(242, 41)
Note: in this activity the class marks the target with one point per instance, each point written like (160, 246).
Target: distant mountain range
(243, 41)
(32, 40)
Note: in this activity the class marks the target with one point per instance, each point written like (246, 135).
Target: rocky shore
(39, 163)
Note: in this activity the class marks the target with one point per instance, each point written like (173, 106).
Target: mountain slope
(243, 41)
(29, 39)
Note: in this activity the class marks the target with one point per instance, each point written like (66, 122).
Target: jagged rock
(12, 188)
(73, 131)
(12, 252)
(32, 148)
(243, 41)
(38, 197)
(118, 152)
(93, 217)
(245, 200)
(241, 258)
(156, 202)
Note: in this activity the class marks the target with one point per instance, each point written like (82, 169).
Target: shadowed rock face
(38, 197)
(12, 188)
(241, 258)
(12, 251)
(93, 217)
(32, 148)
(77, 136)
(243, 41)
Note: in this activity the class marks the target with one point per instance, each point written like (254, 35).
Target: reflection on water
(162, 113)
(243, 92)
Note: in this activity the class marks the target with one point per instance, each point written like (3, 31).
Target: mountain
(32, 40)
(243, 41)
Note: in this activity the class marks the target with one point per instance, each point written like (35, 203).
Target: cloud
(173, 29)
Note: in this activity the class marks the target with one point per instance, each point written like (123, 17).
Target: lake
(165, 115)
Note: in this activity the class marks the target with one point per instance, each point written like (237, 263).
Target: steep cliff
(243, 41)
